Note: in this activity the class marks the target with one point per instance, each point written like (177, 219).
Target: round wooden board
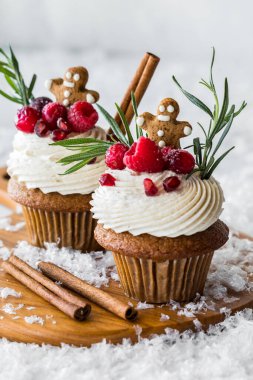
(58, 328)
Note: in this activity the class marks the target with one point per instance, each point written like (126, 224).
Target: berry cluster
(146, 156)
(45, 118)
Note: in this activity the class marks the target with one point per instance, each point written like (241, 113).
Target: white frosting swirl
(193, 207)
(33, 162)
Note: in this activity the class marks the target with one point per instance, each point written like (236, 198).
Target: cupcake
(161, 227)
(55, 205)
(158, 207)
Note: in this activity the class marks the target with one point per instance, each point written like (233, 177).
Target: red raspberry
(82, 116)
(150, 187)
(165, 151)
(26, 119)
(107, 180)
(180, 161)
(58, 135)
(171, 183)
(52, 112)
(41, 129)
(144, 156)
(63, 125)
(114, 156)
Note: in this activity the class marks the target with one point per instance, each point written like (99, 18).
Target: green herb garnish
(89, 148)
(9, 67)
(221, 119)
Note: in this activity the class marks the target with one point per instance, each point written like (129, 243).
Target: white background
(109, 37)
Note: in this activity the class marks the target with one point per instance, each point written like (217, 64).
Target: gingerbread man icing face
(164, 128)
(71, 88)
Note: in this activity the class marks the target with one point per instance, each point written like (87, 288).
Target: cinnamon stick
(138, 86)
(98, 296)
(72, 310)
(51, 285)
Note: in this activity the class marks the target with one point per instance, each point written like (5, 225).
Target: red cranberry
(41, 129)
(150, 187)
(58, 135)
(40, 103)
(107, 180)
(171, 183)
(180, 161)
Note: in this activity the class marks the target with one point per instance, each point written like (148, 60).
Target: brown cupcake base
(158, 282)
(54, 218)
(155, 269)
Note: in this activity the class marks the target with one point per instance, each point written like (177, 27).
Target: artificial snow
(5, 224)
(9, 292)
(164, 317)
(4, 251)
(91, 268)
(34, 319)
(9, 308)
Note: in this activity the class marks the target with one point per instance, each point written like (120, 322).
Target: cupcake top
(33, 162)
(41, 123)
(125, 207)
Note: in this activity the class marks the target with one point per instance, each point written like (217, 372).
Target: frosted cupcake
(157, 206)
(56, 206)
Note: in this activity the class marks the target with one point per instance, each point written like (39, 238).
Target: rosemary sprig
(221, 119)
(88, 148)
(9, 67)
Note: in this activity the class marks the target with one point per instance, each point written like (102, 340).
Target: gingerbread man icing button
(72, 87)
(164, 128)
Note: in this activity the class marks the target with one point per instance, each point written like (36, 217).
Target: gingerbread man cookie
(71, 88)
(164, 128)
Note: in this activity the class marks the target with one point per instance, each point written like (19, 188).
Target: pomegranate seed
(41, 129)
(150, 187)
(107, 180)
(58, 135)
(63, 125)
(171, 183)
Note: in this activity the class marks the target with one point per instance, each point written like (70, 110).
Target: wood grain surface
(58, 328)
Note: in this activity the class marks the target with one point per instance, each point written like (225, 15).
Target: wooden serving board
(58, 328)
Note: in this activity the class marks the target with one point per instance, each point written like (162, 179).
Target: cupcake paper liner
(67, 229)
(158, 282)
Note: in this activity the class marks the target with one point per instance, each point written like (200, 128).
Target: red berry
(63, 125)
(52, 112)
(180, 161)
(40, 103)
(171, 183)
(114, 156)
(82, 116)
(107, 180)
(26, 119)
(165, 151)
(150, 187)
(58, 135)
(41, 129)
(144, 156)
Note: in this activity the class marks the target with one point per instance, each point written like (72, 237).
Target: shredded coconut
(8, 292)
(5, 224)
(9, 308)
(4, 251)
(164, 317)
(34, 319)
(91, 268)
(144, 305)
